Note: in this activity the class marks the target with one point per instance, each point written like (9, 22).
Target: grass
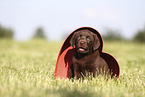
(27, 70)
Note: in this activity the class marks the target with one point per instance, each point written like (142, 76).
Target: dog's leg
(71, 72)
(77, 72)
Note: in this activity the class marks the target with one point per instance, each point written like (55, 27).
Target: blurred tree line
(39, 33)
(9, 33)
(6, 32)
(140, 36)
(110, 34)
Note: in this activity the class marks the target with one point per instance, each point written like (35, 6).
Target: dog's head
(85, 41)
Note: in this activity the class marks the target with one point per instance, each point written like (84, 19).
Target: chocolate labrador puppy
(86, 59)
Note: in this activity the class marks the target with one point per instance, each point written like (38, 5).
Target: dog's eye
(88, 38)
(79, 37)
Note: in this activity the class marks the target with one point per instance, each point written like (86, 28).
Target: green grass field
(27, 70)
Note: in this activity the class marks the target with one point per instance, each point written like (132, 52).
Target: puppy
(86, 59)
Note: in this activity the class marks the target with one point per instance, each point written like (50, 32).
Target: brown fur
(87, 56)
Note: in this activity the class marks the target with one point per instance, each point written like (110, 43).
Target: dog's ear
(73, 40)
(96, 43)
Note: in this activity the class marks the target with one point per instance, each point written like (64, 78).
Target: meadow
(27, 70)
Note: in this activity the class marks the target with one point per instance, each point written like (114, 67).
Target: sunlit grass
(27, 70)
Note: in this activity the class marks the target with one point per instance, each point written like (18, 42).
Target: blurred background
(55, 19)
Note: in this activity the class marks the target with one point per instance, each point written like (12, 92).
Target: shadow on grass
(70, 93)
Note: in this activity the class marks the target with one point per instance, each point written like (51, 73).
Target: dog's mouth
(81, 49)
